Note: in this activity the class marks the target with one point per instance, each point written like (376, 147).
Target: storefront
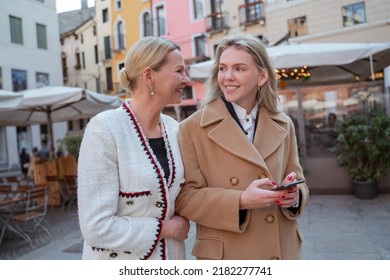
(316, 112)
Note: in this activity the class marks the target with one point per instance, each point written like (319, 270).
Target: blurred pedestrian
(44, 152)
(24, 161)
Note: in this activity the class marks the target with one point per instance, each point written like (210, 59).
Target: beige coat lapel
(227, 134)
(274, 126)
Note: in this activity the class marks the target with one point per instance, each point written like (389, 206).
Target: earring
(260, 89)
(152, 89)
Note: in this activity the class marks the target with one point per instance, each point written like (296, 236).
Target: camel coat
(220, 162)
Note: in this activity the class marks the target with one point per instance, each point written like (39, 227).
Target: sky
(71, 5)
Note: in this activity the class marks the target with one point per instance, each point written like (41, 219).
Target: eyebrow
(236, 64)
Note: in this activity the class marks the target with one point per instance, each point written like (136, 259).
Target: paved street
(336, 227)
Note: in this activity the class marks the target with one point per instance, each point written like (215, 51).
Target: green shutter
(41, 36)
(16, 30)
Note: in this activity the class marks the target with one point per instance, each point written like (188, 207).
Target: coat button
(159, 204)
(262, 176)
(270, 219)
(234, 181)
(113, 255)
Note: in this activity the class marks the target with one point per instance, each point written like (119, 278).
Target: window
(78, 61)
(354, 14)
(81, 124)
(16, 30)
(96, 54)
(251, 12)
(42, 79)
(19, 79)
(118, 5)
(83, 58)
(120, 66)
(147, 24)
(200, 46)
(41, 36)
(198, 9)
(94, 30)
(105, 15)
(120, 35)
(81, 39)
(161, 28)
(187, 93)
(110, 86)
(217, 16)
(107, 47)
(297, 26)
(70, 125)
(64, 67)
(323, 107)
(98, 87)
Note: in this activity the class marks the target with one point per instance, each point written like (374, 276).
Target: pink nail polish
(283, 196)
(273, 183)
(289, 178)
(277, 201)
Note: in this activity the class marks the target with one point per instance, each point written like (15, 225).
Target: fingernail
(277, 201)
(273, 183)
(283, 196)
(289, 178)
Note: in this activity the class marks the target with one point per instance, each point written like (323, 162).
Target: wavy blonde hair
(150, 52)
(267, 97)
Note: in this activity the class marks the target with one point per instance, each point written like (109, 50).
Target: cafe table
(8, 204)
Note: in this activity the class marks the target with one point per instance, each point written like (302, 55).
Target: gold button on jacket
(270, 219)
(234, 181)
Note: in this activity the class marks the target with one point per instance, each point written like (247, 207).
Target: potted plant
(363, 148)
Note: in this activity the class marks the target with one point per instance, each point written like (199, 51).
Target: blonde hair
(147, 52)
(267, 96)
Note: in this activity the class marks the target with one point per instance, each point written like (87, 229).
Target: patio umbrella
(329, 62)
(51, 104)
(9, 99)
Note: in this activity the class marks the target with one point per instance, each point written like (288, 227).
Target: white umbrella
(328, 62)
(56, 103)
(10, 100)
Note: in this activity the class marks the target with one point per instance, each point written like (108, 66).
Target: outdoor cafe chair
(63, 188)
(12, 201)
(71, 183)
(33, 217)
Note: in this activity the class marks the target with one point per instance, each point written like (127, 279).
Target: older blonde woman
(130, 168)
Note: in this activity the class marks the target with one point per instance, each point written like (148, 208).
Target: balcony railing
(252, 13)
(216, 22)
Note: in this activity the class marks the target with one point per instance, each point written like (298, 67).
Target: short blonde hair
(150, 52)
(267, 97)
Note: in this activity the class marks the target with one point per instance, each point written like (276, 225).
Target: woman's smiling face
(239, 77)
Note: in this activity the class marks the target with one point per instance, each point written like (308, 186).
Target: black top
(158, 147)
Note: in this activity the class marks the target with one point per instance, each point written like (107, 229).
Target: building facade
(312, 21)
(30, 58)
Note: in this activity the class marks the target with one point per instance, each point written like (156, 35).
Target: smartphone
(286, 186)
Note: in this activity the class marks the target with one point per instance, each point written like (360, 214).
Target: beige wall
(91, 71)
(324, 21)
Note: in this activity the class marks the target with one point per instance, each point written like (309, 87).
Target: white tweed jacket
(122, 193)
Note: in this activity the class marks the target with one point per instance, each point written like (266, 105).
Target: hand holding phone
(286, 186)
